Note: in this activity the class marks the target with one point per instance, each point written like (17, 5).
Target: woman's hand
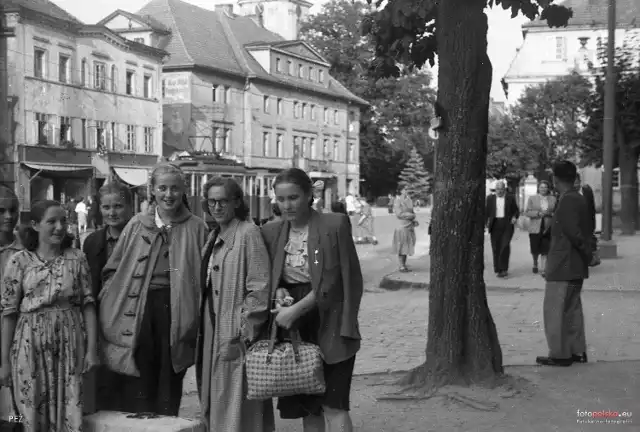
(91, 360)
(286, 316)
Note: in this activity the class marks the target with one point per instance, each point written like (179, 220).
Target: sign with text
(176, 88)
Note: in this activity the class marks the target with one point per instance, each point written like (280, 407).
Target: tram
(256, 184)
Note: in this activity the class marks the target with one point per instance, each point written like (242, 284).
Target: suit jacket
(570, 251)
(336, 279)
(95, 248)
(511, 209)
(533, 207)
(587, 193)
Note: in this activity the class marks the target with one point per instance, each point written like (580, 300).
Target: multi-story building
(549, 53)
(233, 87)
(85, 103)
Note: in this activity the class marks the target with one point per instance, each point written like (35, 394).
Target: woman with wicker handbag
(314, 260)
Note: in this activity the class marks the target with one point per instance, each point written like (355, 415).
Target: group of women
(117, 325)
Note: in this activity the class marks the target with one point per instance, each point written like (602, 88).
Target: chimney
(225, 8)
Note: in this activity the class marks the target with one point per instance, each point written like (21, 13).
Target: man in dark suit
(587, 193)
(501, 215)
(567, 267)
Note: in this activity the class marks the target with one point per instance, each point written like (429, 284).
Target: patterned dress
(48, 349)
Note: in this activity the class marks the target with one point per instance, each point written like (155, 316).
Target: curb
(388, 284)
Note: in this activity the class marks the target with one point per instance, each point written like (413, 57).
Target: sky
(504, 36)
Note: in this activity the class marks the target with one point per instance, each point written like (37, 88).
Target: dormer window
(139, 40)
(300, 71)
(278, 65)
(290, 67)
(321, 75)
(312, 74)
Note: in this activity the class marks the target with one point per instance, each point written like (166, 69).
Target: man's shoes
(503, 274)
(549, 361)
(579, 358)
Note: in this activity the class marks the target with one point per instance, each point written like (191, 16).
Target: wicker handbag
(283, 369)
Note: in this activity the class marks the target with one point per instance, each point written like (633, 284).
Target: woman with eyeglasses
(235, 311)
(150, 298)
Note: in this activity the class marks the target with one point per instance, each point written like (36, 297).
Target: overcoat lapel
(314, 250)
(278, 259)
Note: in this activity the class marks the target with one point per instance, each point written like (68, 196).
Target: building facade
(234, 88)
(85, 104)
(549, 53)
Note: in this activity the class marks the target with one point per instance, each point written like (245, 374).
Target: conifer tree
(415, 177)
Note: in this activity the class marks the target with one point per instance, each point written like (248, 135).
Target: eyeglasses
(223, 203)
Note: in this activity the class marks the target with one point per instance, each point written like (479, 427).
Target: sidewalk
(620, 274)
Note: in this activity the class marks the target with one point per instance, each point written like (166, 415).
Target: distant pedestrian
(82, 213)
(318, 201)
(365, 229)
(566, 269)
(339, 207)
(144, 206)
(539, 210)
(586, 191)
(501, 216)
(390, 204)
(404, 236)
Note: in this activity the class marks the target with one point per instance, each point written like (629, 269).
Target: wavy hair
(234, 192)
(167, 168)
(29, 237)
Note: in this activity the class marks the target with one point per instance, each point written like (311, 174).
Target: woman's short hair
(233, 191)
(544, 182)
(30, 237)
(297, 177)
(117, 188)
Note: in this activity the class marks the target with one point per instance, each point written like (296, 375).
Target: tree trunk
(462, 344)
(628, 163)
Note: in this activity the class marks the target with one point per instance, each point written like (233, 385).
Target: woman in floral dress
(49, 324)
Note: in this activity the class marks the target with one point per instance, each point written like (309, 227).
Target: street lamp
(608, 248)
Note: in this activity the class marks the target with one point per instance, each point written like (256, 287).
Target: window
(300, 71)
(114, 78)
(148, 87)
(99, 75)
(279, 145)
(312, 148)
(265, 104)
(336, 118)
(148, 140)
(83, 72)
(163, 84)
(561, 48)
(326, 115)
(304, 150)
(313, 112)
(325, 150)
(217, 139)
(616, 178)
(227, 95)
(85, 133)
(296, 107)
(39, 63)
(352, 153)
(321, 75)
(290, 67)
(65, 131)
(297, 150)
(42, 129)
(139, 40)
(101, 135)
(214, 94)
(265, 144)
(336, 150)
(278, 65)
(280, 107)
(111, 136)
(226, 139)
(63, 68)
(130, 143)
(131, 82)
(305, 112)
(312, 74)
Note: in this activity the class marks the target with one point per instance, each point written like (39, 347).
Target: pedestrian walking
(365, 230)
(318, 201)
(404, 236)
(49, 312)
(587, 193)
(501, 216)
(150, 300)
(567, 268)
(539, 210)
(390, 204)
(235, 276)
(315, 262)
(102, 386)
(82, 212)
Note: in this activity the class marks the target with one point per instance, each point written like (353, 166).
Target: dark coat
(336, 279)
(587, 193)
(570, 250)
(95, 248)
(511, 209)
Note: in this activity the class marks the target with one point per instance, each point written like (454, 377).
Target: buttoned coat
(336, 279)
(235, 309)
(126, 278)
(535, 220)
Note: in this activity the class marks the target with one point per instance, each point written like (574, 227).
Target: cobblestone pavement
(394, 328)
(622, 273)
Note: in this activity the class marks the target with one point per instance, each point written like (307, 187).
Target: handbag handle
(295, 342)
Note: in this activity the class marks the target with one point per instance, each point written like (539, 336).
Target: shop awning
(57, 168)
(133, 176)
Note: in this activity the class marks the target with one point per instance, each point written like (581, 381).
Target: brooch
(315, 256)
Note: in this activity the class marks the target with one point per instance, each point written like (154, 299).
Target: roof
(593, 13)
(152, 23)
(218, 41)
(43, 6)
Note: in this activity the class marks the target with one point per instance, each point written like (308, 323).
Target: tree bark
(628, 163)
(462, 345)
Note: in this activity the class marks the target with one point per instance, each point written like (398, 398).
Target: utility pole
(608, 248)
(7, 165)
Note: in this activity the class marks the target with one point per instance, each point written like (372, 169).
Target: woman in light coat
(539, 210)
(235, 312)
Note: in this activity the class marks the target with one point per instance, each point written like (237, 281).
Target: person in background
(567, 268)
(235, 277)
(49, 331)
(350, 203)
(96, 212)
(314, 260)
(390, 204)
(340, 207)
(501, 216)
(586, 191)
(366, 232)
(277, 214)
(9, 245)
(318, 201)
(150, 300)
(116, 209)
(91, 209)
(539, 210)
(144, 206)
(404, 236)
(82, 213)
